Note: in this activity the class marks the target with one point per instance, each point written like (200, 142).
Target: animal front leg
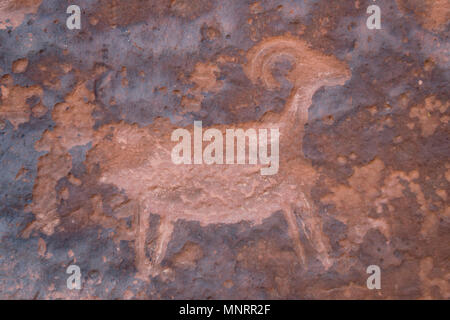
(165, 233)
(312, 228)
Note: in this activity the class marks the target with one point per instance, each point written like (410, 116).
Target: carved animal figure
(138, 161)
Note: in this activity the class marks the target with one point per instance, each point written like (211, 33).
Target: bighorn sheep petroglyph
(138, 161)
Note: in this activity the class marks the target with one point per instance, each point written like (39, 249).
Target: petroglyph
(85, 124)
(137, 160)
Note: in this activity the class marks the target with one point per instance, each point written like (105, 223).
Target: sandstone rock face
(87, 177)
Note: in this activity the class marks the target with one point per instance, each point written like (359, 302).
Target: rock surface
(86, 118)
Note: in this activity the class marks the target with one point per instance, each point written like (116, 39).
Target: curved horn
(264, 55)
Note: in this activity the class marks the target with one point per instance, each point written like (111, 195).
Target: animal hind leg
(164, 236)
(144, 264)
(142, 226)
(294, 232)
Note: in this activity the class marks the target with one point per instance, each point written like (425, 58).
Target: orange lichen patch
(433, 14)
(372, 109)
(42, 247)
(20, 65)
(205, 79)
(368, 187)
(429, 282)
(191, 104)
(93, 21)
(429, 115)
(204, 76)
(13, 103)
(21, 173)
(122, 13)
(350, 201)
(15, 11)
(438, 16)
(73, 121)
(442, 194)
(228, 284)
(53, 70)
(188, 256)
(51, 168)
(73, 127)
(281, 260)
(223, 59)
(73, 180)
(39, 110)
(211, 33)
(190, 9)
(124, 74)
(98, 217)
(341, 160)
(256, 8)
(394, 188)
(64, 194)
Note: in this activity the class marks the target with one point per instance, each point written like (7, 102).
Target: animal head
(309, 70)
(309, 67)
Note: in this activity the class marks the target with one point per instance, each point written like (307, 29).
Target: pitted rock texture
(86, 118)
